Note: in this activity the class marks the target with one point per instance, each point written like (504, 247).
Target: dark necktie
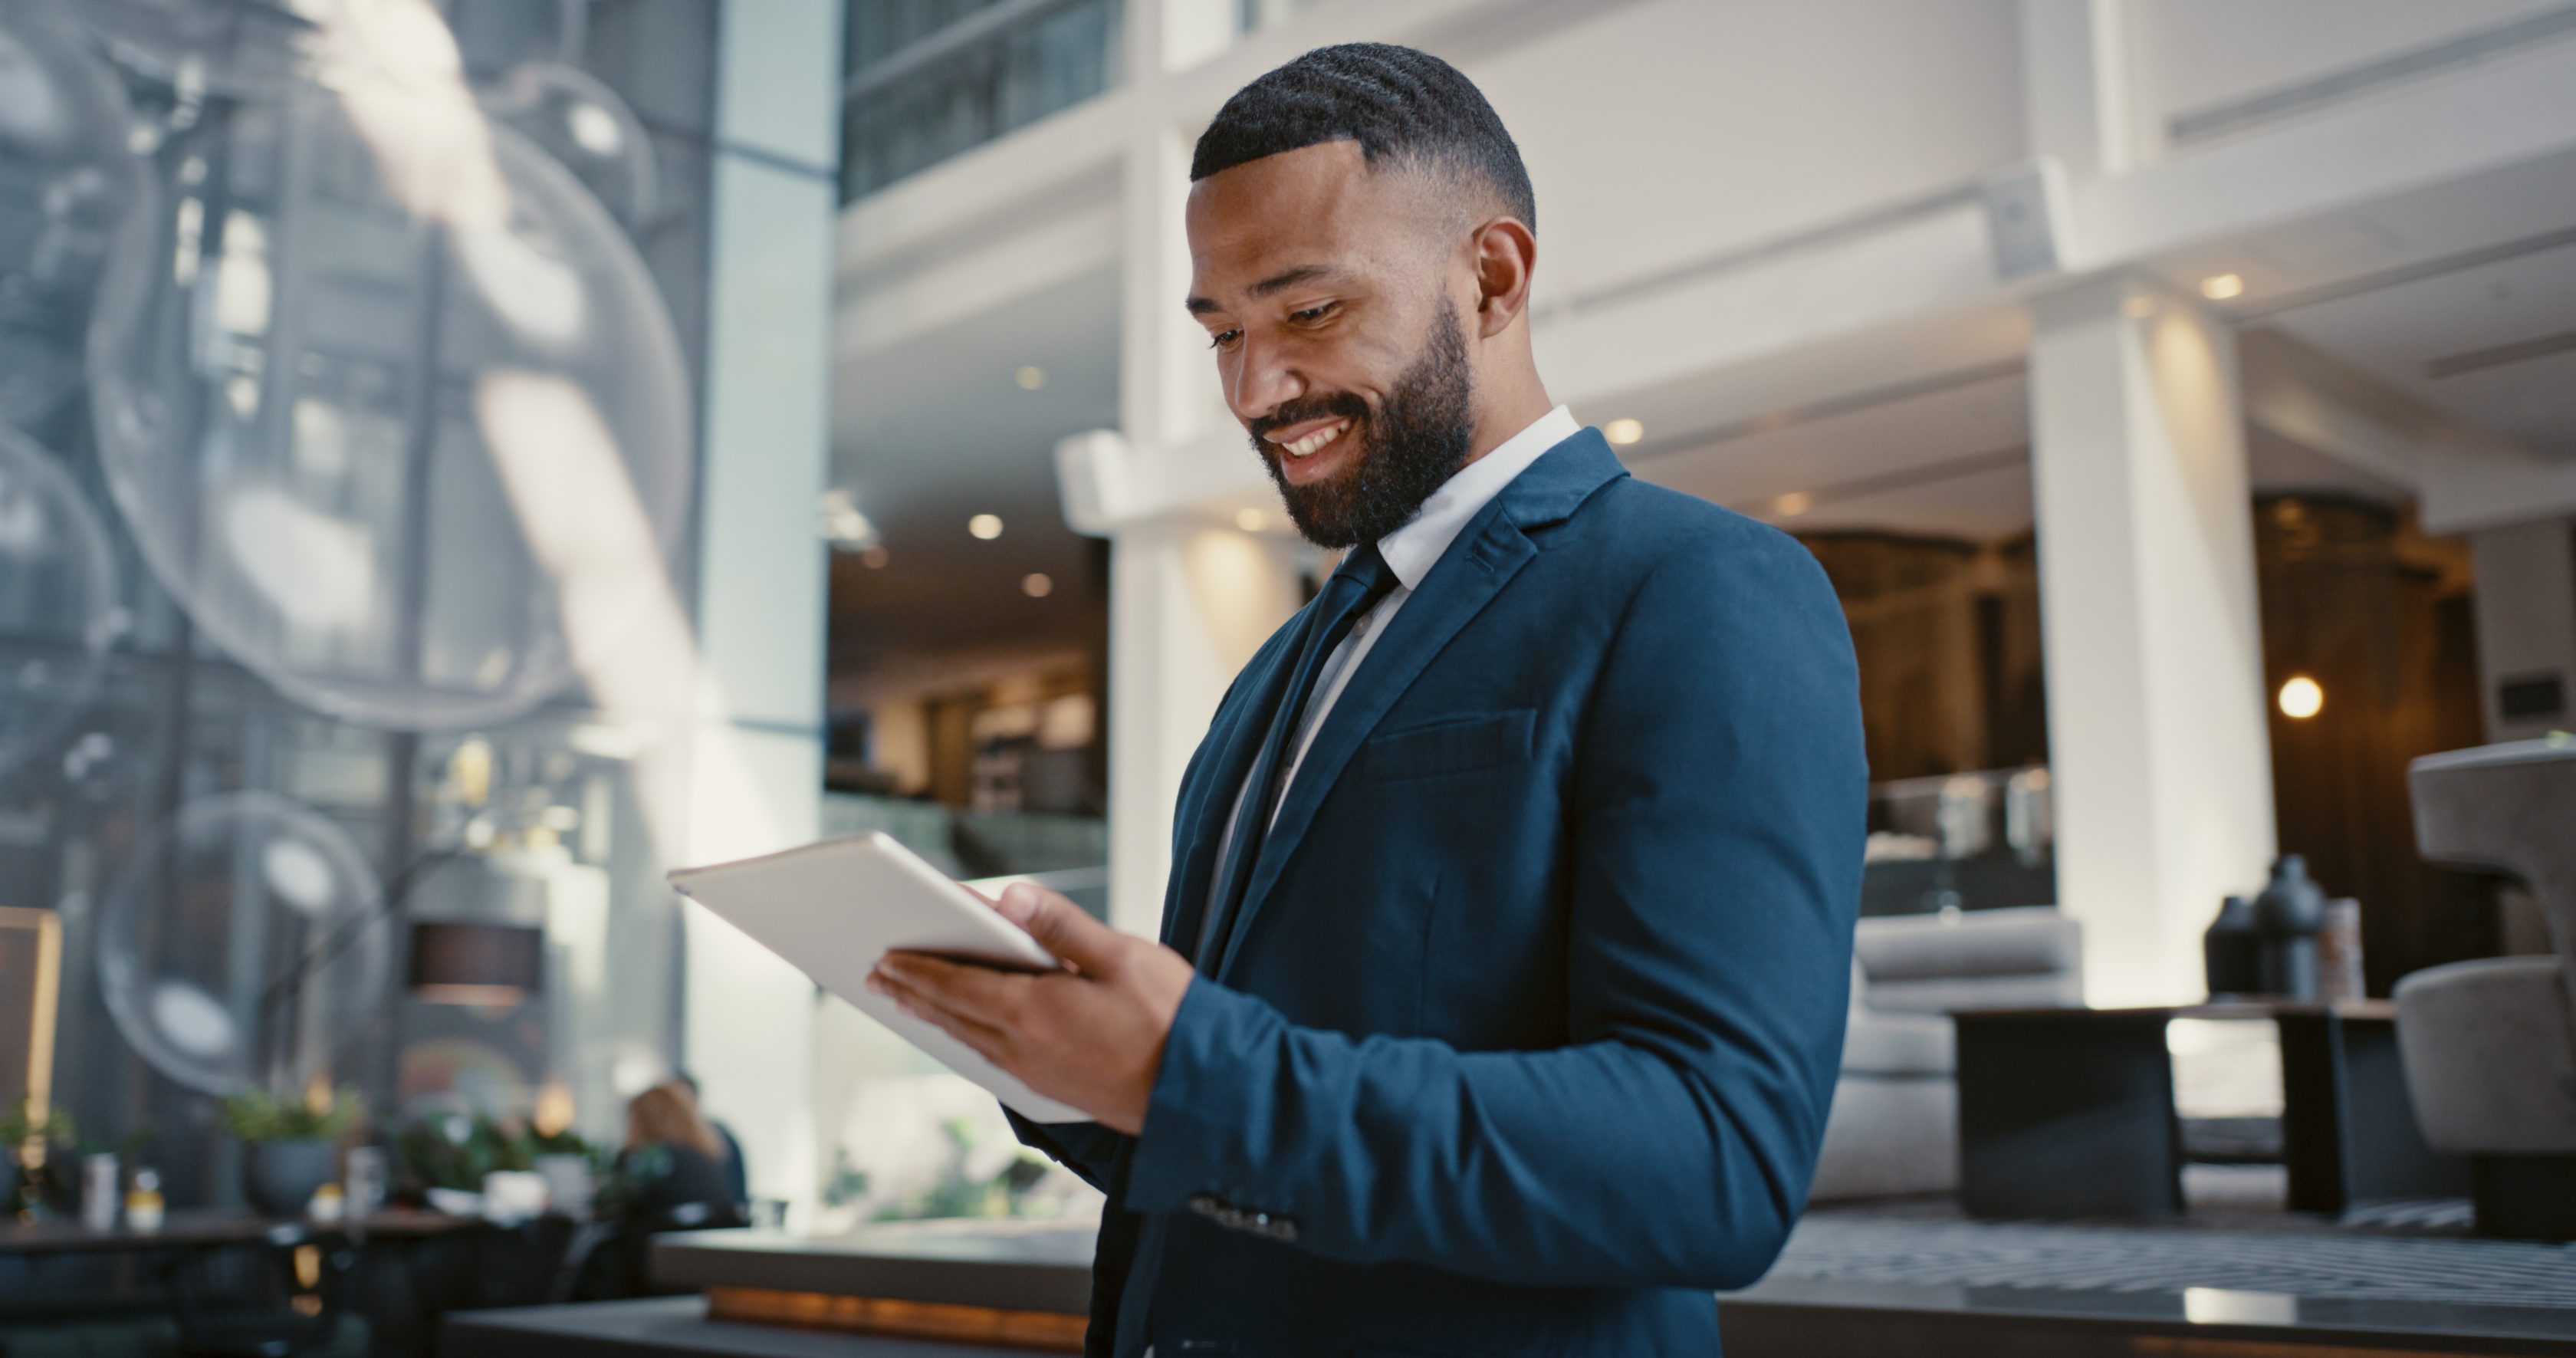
(1354, 589)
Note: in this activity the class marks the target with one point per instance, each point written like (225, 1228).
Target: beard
(1412, 442)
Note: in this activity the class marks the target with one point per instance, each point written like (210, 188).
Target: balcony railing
(932, 79)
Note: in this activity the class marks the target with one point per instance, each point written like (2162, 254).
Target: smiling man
(1504, 961)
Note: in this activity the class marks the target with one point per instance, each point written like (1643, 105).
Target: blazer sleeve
(1086, 1148)
(1716, 818)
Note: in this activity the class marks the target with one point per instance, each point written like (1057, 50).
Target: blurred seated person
(670, 1177)
(737, 1172)
(674, 1163)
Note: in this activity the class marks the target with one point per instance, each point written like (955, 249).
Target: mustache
(1345, 404)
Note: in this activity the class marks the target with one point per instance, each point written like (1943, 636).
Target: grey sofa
(1894, 1128)
(2490, 1045)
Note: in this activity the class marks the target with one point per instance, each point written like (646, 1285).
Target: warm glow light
(1036, 586)
(873, 558)
(1623, 431)
(1251, 520)
(554, 1109)
(1030, 377)
(1793, 504)
(985, 526)
(2301, 698)
(2220, 287)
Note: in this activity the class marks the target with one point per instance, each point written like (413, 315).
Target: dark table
(668, 1327)
(206, 1229)
(59, 1270)
(2070, 1112)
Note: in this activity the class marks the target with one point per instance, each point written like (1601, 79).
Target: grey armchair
(1894, 1127)
(2490, 1046)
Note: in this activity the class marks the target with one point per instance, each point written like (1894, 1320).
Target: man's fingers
(1062, 927)
(982, 994)
(932, 1007)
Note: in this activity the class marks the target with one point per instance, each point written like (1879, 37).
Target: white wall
(2192, 54)
(2526, 612)
(1669, 131)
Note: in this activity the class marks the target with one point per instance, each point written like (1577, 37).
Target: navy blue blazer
(1524, 1038)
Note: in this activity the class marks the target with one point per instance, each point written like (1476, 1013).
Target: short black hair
(1402, 106)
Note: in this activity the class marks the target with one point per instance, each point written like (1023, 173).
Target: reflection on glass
(58, 601)
(310, 471)
(241, 945)
(573, 117)
(66, 179)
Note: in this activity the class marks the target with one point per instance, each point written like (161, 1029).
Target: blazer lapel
(1487, 554)
(1233, 741)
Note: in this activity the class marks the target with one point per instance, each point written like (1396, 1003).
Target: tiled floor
(2230, 1241)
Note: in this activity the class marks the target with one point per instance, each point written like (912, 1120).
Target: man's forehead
(1300, 202)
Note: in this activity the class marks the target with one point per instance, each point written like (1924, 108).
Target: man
(1506, 948)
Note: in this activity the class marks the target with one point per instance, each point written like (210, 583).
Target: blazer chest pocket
(1456, 745)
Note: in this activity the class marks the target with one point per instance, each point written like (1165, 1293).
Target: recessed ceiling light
(1036, 586)
(1623, 431)
(1251, 520)
(1030, 377)
(2220, 287)
(985, 526)
(1793, 504)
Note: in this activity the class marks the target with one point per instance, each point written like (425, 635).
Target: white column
(755, 766)
(1174, 35)
(2077, 99)
(1190, 596)
(1189, 602)
(2526, 609)
(1164, 370)
(2156, 722)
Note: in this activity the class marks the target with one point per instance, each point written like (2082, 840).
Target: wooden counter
(1022, 1285)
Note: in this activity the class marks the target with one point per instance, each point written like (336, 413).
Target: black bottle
(2287, 917)
(2230, 950)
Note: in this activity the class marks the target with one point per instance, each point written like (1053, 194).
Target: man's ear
(1505, 255)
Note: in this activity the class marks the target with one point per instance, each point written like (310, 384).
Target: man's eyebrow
(1275, 283)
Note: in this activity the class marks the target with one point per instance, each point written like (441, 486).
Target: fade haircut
(1405, 108)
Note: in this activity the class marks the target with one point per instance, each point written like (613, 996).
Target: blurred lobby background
(460, 459)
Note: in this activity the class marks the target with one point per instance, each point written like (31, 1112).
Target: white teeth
(1305, 447)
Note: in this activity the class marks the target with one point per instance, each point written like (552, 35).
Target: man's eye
(1314, 313)
(1223, 338)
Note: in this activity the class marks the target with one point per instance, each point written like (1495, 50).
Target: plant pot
(282, 1176)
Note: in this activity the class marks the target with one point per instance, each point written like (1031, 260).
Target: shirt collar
(1411, 551)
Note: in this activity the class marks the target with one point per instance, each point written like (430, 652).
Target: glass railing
(989, 849)
(932, 79)
(1962, 841)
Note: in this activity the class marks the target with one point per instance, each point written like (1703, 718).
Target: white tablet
(832, 909)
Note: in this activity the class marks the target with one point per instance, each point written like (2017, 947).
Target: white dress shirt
(1410, 552)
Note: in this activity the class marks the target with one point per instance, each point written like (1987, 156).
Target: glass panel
(916, 105)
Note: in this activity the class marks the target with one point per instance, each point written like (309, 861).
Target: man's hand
(1090, 1035)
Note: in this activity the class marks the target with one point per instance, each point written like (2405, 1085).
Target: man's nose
(1263, 381)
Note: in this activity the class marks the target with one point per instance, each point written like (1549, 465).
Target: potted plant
(32, 1137)
(291, 1144)
(571, 1167)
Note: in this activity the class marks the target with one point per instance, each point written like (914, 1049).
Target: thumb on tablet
(1060, 925)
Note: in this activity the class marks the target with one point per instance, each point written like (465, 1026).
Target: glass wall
(348, 361)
